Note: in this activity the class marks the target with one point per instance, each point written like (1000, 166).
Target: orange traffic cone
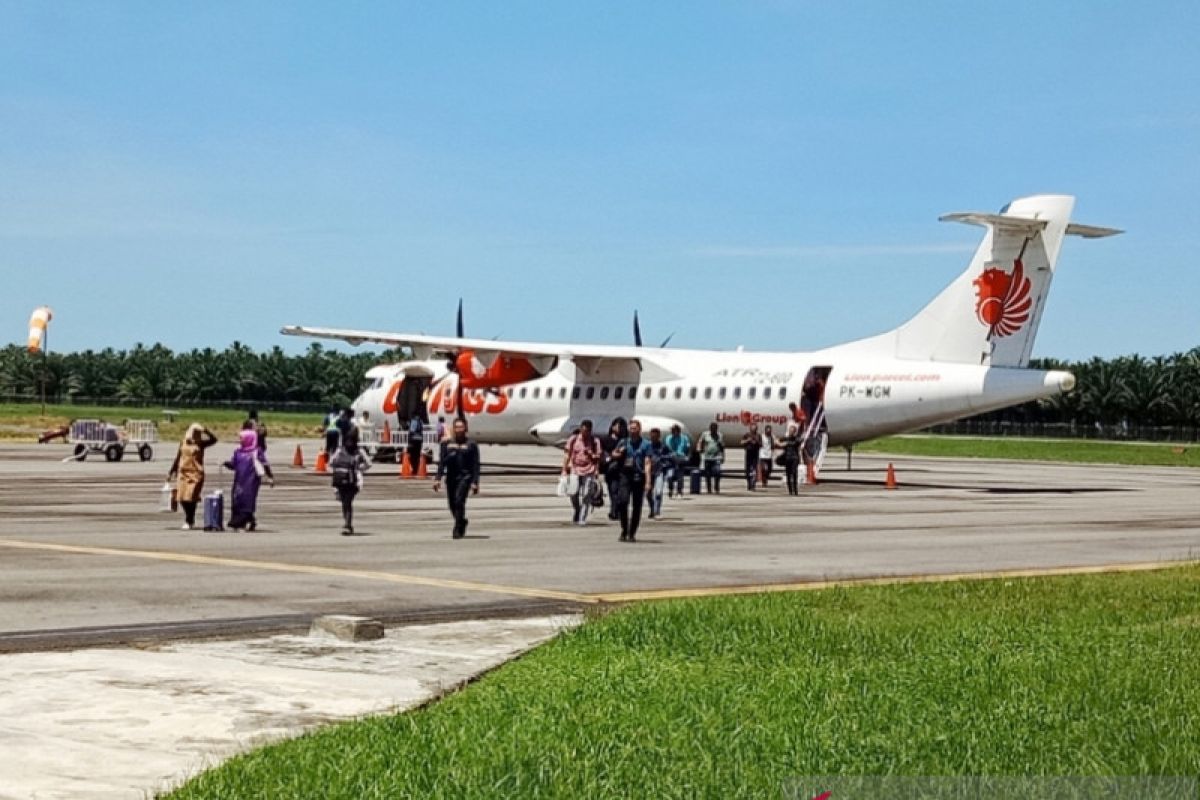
(298, 459)
(423, 466)
(386, 438)
(322, 462)
(406, 470)
(810, 475)
(890, 483)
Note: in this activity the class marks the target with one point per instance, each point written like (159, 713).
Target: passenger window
(632, 392)
(753, 390)
(591, 392)
(537, 391)
(662, 393)
(562, 393)
(509, 391)
(708, 393)
(575, 393)
(522, 392)
(617, 392)
(603, 392)
(766, 393)
(646, 393)
(737, 393)
(678, 392)
(721, 393)
(692, 393)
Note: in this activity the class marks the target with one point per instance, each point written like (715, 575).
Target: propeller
(458, 391)
(637, 330)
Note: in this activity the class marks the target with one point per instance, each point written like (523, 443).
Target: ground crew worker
(459, 464)
(635, 458)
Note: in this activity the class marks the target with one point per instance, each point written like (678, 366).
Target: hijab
(249, 440)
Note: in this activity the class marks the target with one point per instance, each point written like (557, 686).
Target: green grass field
(732, 697)
(1080, 451)
(23, 421)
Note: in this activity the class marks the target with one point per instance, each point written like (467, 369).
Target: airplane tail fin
(991, 312)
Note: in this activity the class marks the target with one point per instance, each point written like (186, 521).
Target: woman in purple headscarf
(249, 465)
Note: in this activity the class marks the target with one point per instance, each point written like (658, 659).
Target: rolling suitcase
(214, 511)
(695, 482)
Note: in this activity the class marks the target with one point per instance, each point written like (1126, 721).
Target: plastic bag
(165, 496)
(561, 489)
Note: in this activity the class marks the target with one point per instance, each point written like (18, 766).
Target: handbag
(597, 495)
(781, 460)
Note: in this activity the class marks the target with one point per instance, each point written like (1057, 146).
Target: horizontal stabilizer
(1091, 231)
(1000, 222)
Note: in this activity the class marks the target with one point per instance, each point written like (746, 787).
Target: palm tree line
(1116, 394)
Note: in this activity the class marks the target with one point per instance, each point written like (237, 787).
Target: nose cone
(1063, 382)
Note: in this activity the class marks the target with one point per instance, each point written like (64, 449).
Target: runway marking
(307, 569)
(812, 586)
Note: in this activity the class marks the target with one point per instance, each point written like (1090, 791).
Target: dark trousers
(414, 453)
(613, 482)
(712, 476)
(675, 483)
(189, 511)
(631, 491)
(457, 489)
(767, 468)
(346, 495)
(792, 470)
(332, 439)
(751, 468)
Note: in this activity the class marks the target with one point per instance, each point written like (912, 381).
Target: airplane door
(411, 400)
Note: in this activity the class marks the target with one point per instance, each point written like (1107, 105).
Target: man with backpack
(347, 465)
(581, 459)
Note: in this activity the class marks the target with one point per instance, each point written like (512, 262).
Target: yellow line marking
(811, 586)
(307, 569)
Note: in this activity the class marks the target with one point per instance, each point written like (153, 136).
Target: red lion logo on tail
(1003, 299)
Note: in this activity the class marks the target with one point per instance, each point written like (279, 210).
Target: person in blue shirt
(664, 464)
(635, 459)
(680, 445)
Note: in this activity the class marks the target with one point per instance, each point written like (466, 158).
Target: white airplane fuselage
(864, 398)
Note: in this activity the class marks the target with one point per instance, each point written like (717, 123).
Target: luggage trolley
(95, 436)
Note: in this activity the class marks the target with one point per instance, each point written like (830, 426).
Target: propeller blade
(637, 330)
(458, 327)
(668, 339)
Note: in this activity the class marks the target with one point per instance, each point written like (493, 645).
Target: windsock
(37, 328)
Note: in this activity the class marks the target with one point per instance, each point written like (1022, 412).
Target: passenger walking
(790, 445)
(187, 470)
(416, 440)
(712, 456)
(766, 455)
(249, 467)
(751, 444)
(348, 465)
(441, 428)
(663, 462)
(581, 459)
(459, 464)
(617, 431)
(252, 423)
(632, 455)
(680, 445)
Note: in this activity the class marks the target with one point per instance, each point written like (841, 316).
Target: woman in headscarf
(249, 466)
(188, 470)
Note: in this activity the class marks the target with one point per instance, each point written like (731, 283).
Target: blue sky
(758, 174)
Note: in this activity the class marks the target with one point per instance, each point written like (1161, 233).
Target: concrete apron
(124, 723)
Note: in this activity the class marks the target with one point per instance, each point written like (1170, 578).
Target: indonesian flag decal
(1003, 300)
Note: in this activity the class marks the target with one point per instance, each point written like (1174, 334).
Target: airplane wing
(589, 359)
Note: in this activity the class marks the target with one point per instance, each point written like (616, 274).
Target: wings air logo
(1003, 299)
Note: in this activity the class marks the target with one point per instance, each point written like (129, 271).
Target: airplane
(965, 353)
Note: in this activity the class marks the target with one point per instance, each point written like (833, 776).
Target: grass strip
(735, 696)
(1079, 451)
